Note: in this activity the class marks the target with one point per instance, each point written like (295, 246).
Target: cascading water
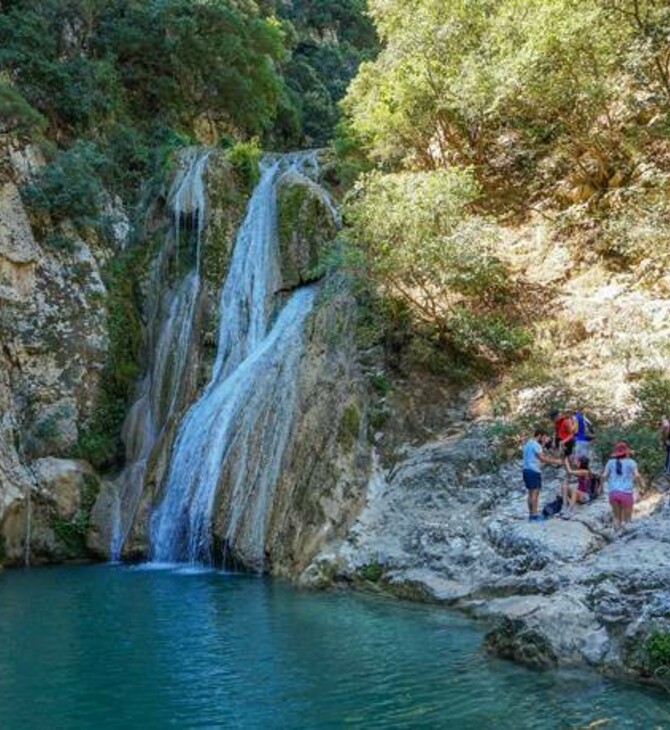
(170, 340)
(239, 428)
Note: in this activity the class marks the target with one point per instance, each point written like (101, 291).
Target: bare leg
(536, 501)
(616, 513)
(626, 514)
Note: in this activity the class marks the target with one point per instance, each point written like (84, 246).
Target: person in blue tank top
(583, 436)
(533, 458)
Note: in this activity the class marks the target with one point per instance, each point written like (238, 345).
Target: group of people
(570, 447)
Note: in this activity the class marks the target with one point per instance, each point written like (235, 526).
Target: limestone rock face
(322, 483)
(53, 347)
(18, 250)
(65, 480)
(446, 524)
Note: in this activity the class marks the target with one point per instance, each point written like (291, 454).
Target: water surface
(119, 647)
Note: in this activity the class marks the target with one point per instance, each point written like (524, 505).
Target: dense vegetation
(108, 89)
(112, 86)
(480, 112)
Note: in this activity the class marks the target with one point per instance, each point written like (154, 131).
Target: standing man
(533, 458)
(564, 432)
(583, 436)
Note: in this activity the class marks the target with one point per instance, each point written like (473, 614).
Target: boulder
(66, 482)
(307, 224)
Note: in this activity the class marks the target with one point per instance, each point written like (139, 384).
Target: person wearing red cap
(620, 475)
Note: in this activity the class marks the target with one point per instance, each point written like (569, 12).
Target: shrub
(69, 186)
(411, 236)
(652, 394)
(245, 158)
(18, 116)
(658, 651)
(371, 572)
(643, 441)
(100, 442)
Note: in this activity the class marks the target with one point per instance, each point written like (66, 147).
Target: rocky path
(448, 525)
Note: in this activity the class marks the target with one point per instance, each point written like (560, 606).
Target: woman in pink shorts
(620, 475)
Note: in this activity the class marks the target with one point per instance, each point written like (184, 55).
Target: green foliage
(17, 116)
(643, 441)
(329, 39)
(350, 425)
(179, 60)
(412, 235)
(69, 186)
(99, 443)
(371, 572)
(658, 651)
(529, 91)
(72, 533)
(652, 394)
(245, 158)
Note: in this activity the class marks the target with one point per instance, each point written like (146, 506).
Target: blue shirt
(582, 434)
(531, 452)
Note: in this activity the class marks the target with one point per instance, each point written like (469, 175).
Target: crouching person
(587, 488)
(533, 458)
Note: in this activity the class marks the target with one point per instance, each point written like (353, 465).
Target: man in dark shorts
(533, 458)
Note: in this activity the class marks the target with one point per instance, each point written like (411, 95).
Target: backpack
(553, 508)
(595, 486)
(589, 429)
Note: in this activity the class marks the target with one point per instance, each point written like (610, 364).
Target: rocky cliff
(447, 523)
(54, 338)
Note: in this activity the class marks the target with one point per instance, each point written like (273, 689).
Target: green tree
(414, 237)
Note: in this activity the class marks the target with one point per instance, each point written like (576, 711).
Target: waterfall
(239, 428)
(169, 346)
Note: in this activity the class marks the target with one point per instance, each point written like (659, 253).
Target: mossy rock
(350, 426)
(227, 200)
(306, 227)
(370, 572)
(513, 639)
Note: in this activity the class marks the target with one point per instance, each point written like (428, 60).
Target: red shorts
(625, 499)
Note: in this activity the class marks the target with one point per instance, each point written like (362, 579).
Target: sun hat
(620, 450)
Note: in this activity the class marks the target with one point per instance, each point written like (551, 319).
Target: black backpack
(553, 508)
(595, 486)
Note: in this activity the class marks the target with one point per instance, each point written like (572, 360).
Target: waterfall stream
(169, 344)
(239, 428)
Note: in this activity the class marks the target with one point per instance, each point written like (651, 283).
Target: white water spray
(171, 332)
(238, 430)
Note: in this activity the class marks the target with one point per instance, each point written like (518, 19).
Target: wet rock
(512, 639)
(307, 224)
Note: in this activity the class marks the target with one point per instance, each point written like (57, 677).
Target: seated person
(588, 485)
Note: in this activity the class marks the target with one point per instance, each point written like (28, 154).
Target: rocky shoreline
(447, 525)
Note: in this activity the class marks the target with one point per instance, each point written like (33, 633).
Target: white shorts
(582, 448)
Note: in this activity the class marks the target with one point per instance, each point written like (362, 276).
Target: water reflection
(111, 647)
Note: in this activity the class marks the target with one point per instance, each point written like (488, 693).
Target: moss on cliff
(350, 426)
(100, 437)
(306, 226)
(227, 198)
(71, 534)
